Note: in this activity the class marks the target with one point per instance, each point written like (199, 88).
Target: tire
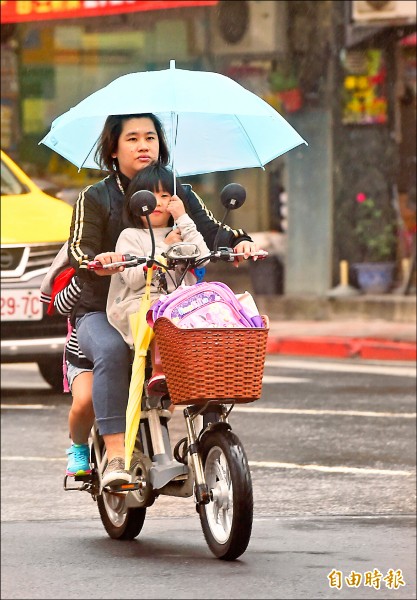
(227, 519)
(120, 521)
(51, 371)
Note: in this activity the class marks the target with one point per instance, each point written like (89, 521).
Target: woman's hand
(107, 258)
(176, 207)
(248, 248)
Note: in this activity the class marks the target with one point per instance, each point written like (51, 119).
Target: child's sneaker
(157, 385)
(78, 460)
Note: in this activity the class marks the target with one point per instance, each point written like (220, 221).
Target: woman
(128, 143)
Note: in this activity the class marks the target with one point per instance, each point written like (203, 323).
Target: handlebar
(129, 260)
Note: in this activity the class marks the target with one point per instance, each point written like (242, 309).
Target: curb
(342, 347)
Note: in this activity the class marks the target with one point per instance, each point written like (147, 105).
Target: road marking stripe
(277, 379)
(32, 458)
(28, 406)
(33, 367)
(56, 343)
(289, 411)
(341, 413)
(338, 469)
(259, 464)
(400, 371)
(309, 365)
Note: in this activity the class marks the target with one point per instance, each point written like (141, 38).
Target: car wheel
(51, 371)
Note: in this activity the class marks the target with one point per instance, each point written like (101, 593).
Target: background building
(342, 73)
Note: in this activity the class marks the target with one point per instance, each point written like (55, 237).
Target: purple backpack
(202, 305)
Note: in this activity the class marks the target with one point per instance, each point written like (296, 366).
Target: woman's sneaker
(115, 473)
(78, 460)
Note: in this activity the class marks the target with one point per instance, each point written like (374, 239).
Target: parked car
(34, 226)
(68, 194)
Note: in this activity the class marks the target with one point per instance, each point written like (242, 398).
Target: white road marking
(277, 379)
(56, 343)
(24, 385)
(28, 406)
(341, 413)
(32, 458)
(400, 371)
(253, 463)
(323, 468)
(260, 410)
(21, 367)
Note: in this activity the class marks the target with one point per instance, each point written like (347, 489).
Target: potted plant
(286, 88)
(377, 241)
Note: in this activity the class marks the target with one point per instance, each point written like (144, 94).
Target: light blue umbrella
(211, 122)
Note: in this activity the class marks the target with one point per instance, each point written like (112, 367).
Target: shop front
(63, 52)
(348, 88)
(62, 56)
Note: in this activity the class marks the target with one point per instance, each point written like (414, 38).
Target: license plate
(21, 305)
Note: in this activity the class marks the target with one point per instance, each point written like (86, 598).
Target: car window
(10, 185)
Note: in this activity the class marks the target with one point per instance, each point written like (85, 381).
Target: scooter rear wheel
(120, 522)
(227, 519)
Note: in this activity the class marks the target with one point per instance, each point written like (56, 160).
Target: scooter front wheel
(227, 519)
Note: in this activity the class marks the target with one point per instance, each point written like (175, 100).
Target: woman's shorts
(73, 372)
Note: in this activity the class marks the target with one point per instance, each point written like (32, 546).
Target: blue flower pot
(375, 278)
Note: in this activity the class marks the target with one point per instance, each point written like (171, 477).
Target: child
(78, 373)
(127, 287)
(61, 290)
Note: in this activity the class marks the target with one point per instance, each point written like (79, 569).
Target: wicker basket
(212, 364)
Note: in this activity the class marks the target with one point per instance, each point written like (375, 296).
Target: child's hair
(151, 178)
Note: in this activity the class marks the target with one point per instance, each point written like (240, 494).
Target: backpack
(204, 305)
(60, 272)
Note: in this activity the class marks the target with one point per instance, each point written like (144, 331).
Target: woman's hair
(109, 138)
(151, 178)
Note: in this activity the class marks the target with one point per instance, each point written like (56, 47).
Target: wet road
(331, 447)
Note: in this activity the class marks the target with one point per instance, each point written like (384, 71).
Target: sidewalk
(361, 339)
(381, 327)
(374, 328)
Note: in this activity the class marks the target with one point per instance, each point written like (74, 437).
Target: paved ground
(366, 339)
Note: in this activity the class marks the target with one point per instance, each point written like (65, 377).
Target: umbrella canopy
(211, 122)
(142, 336)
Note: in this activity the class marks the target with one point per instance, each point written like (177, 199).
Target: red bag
(60, 282)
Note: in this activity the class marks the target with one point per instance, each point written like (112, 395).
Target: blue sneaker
(78, 460)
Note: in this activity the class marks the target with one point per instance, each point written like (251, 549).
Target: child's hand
(173, 237)
(176, 207)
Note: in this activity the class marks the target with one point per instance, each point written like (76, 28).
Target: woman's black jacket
(96, 226)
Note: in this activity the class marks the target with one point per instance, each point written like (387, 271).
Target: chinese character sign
(13, 11)
(392, 580)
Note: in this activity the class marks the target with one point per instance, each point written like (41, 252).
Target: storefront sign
(41, 10)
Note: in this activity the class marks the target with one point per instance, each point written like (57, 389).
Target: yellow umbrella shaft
(142, 336)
